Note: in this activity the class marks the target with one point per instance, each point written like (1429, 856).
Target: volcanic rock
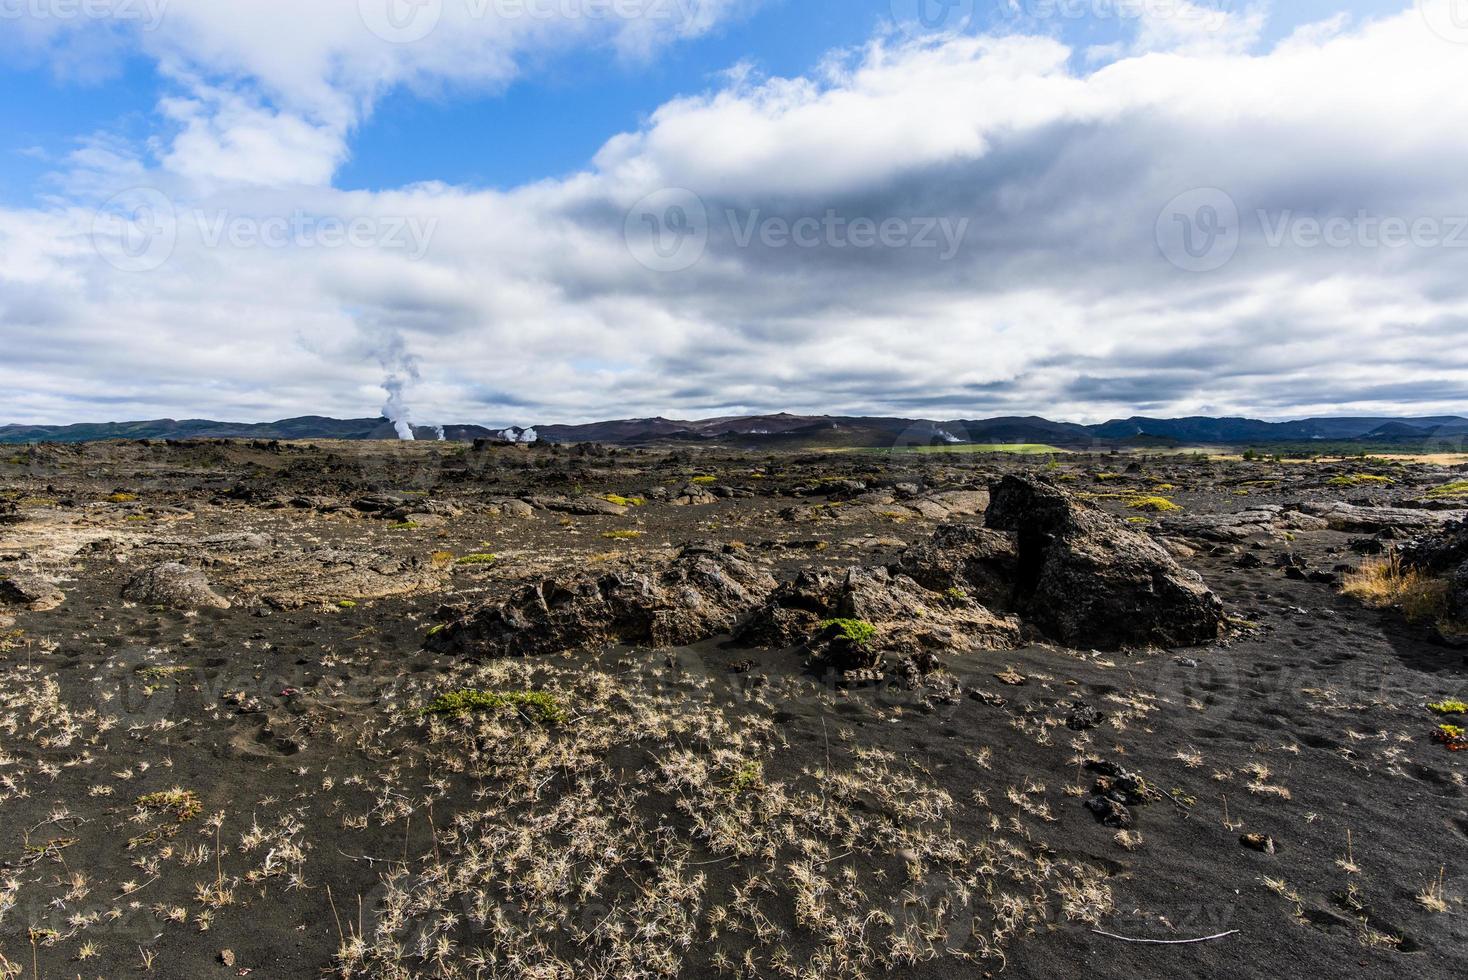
(35, 592)
(703, 592)
(1088, 581)
(903, 612)
(975, 560)
(175, 586)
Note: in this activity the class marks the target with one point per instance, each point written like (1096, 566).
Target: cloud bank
(952, 226)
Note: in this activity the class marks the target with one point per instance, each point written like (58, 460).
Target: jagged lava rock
(1088, 581)
(702, 592)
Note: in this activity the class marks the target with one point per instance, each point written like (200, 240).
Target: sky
(535, 211)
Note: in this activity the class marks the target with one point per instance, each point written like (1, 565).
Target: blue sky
(548, 122)
(1169, 207)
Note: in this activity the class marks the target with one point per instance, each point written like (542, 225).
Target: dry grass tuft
(1386, 584)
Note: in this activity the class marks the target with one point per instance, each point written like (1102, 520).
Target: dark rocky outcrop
(1444, 555)
(702, 592)
(906, 616)
(1087, 580)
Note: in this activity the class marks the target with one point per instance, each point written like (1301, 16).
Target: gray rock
(175, 586)
(31, 591)
(1349, 517)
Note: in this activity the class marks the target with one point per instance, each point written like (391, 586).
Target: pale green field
(1017, 448)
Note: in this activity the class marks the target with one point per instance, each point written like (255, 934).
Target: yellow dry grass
(1386, 584)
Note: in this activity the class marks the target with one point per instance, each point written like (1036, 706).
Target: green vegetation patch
(1017, 448)
(621, 535)
(478, 559)
(857, 632)
(1153, 505)
(181, 804)
(621, 501)
(538, 706)
(404, 526)
(1361, 479)
(1448, 708)
(122, 498)
(1450, 491)
(705, 480)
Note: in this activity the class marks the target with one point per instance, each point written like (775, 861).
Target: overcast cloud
(945, 226)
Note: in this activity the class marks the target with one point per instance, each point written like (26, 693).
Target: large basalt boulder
(906, 616)
(703, 592)
(175, 586)
(1087, 580)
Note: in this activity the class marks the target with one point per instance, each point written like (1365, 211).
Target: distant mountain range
(796, 431)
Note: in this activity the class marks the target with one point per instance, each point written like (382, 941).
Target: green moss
(1153, 505)
(621, 501)
(478, 559)
(857, 632)
(748, 776)
(1448, 708)
(538, 706)
(621, 535)
(705, 480)
(1449, 491)
(1360, 479)
(122, 498)
(404, 526)
(346, 604)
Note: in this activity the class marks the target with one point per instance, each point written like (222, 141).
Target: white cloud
(529, 307)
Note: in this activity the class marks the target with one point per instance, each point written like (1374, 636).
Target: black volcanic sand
(706, 811)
